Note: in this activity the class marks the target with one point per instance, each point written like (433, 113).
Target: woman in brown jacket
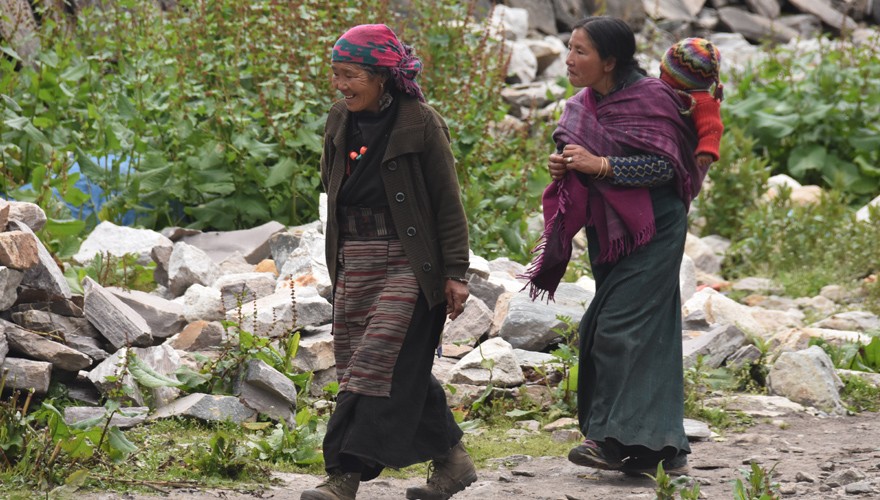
(397, 251)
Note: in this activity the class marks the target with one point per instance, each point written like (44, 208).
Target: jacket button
(392, 166)
(426, 267)
(400, 197)
(410, 231)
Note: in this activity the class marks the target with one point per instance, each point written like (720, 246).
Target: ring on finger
(569, 159)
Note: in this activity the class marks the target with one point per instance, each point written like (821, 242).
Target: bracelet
(460, 280)
(604, 168)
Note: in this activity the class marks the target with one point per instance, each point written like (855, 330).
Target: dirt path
(808, 448)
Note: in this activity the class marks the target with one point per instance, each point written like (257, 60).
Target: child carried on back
(691, 66)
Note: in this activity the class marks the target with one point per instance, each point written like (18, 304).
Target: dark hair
(612, 37)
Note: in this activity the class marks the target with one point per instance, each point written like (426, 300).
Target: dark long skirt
(630, 379)
(368, 433)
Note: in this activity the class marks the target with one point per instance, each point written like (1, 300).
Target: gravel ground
(812, 458)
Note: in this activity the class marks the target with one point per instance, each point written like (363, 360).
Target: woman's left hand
(574, 157)
(456, 295)
(578, 158)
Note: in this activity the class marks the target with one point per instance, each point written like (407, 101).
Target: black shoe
(592, 454)
(638, 466)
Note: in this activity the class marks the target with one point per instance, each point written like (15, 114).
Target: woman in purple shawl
(624, 168)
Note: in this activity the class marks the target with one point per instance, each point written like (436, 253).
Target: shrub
(804, 247)
(735, 186)
(814, 112)
(211, 115)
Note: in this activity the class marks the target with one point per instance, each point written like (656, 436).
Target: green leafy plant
(298, 445)
(700, 382)
(758, 484)
(566, 353)
(109, 270)
(853, 356)
(814, 113)
(38, 449)
(804, 247)
(228, 457)
(666, 486)
(736, 184)
(217, 375)
(859, 395)
(751, 376)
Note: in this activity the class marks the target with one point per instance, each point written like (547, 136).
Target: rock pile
(535, 33)
(272, 279)
(757, 20)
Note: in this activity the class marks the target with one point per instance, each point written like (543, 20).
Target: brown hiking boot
(450, 474)
(338, 486)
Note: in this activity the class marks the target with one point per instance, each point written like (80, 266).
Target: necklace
(354, 156)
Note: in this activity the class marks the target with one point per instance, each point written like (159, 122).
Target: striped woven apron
(374, 299)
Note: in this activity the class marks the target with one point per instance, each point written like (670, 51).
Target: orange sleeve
(707, 120)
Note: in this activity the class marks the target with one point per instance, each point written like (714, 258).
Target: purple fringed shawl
(642, 117)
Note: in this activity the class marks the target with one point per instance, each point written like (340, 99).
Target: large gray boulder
(807, 377)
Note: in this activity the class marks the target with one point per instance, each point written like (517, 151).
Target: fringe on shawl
(623, 246)
(553, 231)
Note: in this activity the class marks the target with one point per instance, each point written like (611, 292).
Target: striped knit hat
(691, 64)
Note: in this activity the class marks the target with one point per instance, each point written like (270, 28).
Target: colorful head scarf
(377, 45)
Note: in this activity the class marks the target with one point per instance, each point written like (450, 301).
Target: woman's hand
(456, 295)
(574, 157)
(704, 160)
(557, 166)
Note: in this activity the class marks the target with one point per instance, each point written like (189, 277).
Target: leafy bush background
(211, 115)
(815, 114)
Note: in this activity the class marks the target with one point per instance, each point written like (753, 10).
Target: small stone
(266, 266)
(845, 477)
(565, 436)
(859, 488)
(517, 433)
(562, 423)
(510, 461)
(523, 473)
(788, 488)
(529, 425)
(803, 477)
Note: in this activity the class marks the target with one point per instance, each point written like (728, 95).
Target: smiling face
(360, 88)
(586, 68)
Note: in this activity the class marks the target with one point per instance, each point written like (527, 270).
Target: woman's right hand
(557, 167)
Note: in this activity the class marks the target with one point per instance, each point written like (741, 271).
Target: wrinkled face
(585, 67)
(360, 89)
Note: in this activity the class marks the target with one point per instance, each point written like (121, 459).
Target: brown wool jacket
(418, 171)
